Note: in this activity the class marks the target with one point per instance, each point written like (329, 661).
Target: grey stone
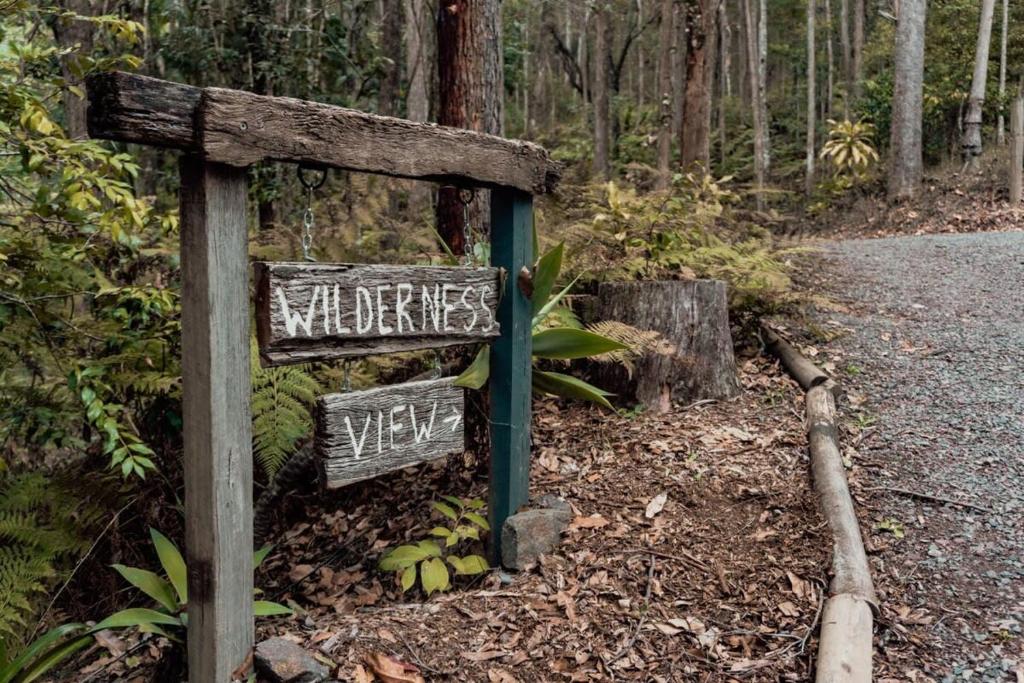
(550, 500)
(281, 661)
(532, 533)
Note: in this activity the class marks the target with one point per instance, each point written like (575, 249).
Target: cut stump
(692, 316)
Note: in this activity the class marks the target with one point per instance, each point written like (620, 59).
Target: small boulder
(279, 660)
(528, 535)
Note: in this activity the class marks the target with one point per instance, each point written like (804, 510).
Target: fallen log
(806, 373)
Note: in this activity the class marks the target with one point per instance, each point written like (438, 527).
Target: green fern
(41, 523)
(282, 398)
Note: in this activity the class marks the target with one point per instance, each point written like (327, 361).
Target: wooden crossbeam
(239, 129)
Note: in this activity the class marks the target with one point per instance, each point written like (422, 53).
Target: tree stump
(693, 316)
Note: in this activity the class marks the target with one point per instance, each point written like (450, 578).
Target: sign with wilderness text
(317, 311)
(363, 434)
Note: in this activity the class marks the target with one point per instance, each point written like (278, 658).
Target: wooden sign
(317, 311)
(363, 434)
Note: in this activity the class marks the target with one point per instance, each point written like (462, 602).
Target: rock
(550, 500)
(528, 535)
(279, 660)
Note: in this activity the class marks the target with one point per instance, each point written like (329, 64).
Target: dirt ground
(721, 582)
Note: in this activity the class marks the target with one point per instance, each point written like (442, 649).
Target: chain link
(466, 196)
(307, 215)
(346, 377)
(435, 373)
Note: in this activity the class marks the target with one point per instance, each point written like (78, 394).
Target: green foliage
(426, 559)
(41, 522)
(282, 398)
(850, 147)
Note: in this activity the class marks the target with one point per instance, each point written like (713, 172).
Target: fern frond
(638, 343)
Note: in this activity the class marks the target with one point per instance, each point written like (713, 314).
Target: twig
(640, 622)
(684, 557)
(928, 496)
(419, 660)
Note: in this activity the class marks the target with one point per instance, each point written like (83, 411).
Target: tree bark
(417, 100)
(811, 98)
(1016, 150)
(679, 69)
(830, 56)
(702, 30)
(75, 37)
(724, 66)
(754, 70)
(602, 88)
(845, 52)
(858, 49)
(263, 53)
(693, 318)
(391, 46)
(471, 89)
(1001, 130)
(905, 159)
(666, 56)
(972, 146)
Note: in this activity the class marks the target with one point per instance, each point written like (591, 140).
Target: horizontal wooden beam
(239, 129)
(322, 311)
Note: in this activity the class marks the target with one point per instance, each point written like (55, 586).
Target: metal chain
(436, 371)
(346, 377)
(466, 196)
(307, 215)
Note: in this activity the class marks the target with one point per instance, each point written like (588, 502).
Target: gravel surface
(930, 347)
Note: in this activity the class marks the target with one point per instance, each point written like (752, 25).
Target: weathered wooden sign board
(314, 312)
(364, 434)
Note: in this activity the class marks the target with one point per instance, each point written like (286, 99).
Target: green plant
(850, 147)
(171, 590)
(427, 557)
(281, 401)
(560, 342)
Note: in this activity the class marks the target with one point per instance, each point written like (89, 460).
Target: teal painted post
(511, 249)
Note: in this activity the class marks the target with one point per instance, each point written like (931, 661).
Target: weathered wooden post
(218, 438)
(1016, 150)
(511, 361)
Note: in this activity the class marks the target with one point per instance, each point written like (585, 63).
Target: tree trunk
(75, 37)
(724, 64)
(470, 92)
(831, 59)
(1001, 130)
(845, 52)
(858, 49)
(391, 46)
(1016, 150)
(905, 141)
(702, 30)
(972, 122)
(754, 78)
(691, 316)
(602, 95)
(811, 99)
(679, 70)
(417, 100)
(762, 86)
(259, 17)
(666, 55)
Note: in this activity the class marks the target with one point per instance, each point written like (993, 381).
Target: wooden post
(511, 359)
(218, 432)
(1016, 150)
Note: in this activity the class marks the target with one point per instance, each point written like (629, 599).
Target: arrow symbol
(455, 419)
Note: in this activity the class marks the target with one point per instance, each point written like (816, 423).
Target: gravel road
(932, 351)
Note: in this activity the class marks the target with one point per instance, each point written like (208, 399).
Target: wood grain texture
(511, 364)
(693, 317)
(240, 128)
(364, 434)
(314, 311)
(217, 421)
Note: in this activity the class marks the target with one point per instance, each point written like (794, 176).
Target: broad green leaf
(430, 548)
(538, 317)
(150, 584)
(446, 510)
(476, 375)
(565, 343)
(467, 531)
(52, 658)
(38, 646)
(265, 608)
(136, 616)
(408, 578)
(474, 564)
(457, 502)
(566, 386)
(479, 520)
(434, 575)
(548, 267)
(401, 557)
(440, 532)
(452, 540)
(260, 555)
(475, 504)
(173, 564)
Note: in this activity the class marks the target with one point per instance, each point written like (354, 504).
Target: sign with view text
(314, 312)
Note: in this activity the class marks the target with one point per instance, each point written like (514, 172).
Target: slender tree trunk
(811, 98)
(1002, 72)
(846, 57)
(470, 95)
(976, 101)
(830, 80)
(417, 99)
(762, 87)
(753, 68)
(391, 46)
(724, 67)
(602, 88)
(905, 160)
(263, 52)
(75, 37)
(1016, 150)
(679, 69)
(858, 49)
(666, 55)
(641, 65)
(695, 141)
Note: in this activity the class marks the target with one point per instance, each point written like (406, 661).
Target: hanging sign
(317, 311)
(363, 434)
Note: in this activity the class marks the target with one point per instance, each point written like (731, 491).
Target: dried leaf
(656, 505)
(391, 670)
